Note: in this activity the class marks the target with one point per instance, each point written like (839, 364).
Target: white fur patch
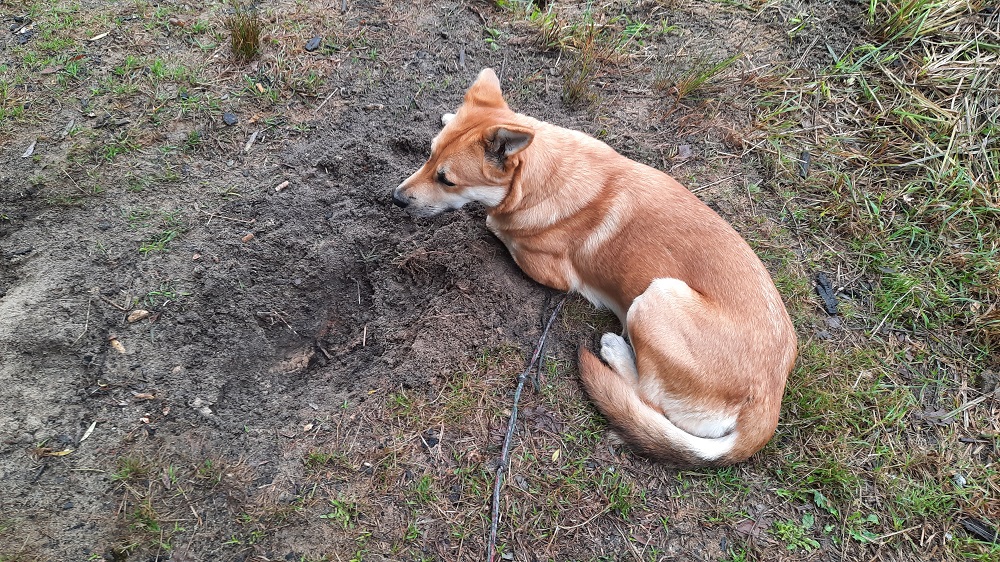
(607, 230)
(488, 195)
(595, 297)
(701, 423)
(447, 118)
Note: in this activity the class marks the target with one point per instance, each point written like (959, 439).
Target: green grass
(895, 203)
(130, 468)
(702, 72)
(342, 512)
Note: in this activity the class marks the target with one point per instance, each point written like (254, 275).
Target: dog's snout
(399, 199)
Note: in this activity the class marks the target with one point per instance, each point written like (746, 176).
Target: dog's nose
(399, 199)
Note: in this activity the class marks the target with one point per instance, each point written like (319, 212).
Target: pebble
(314, 43)
(229, 119)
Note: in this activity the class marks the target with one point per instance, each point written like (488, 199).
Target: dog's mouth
(415, 209)
(426, 212)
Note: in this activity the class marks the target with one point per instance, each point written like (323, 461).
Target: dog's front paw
(619, 356)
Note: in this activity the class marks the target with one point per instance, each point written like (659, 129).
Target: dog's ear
(485, 91)
(504, 141)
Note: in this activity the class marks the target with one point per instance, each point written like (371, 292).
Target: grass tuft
(245, 27)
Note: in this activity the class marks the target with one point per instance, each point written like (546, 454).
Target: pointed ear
(485, 91)
(504, 141)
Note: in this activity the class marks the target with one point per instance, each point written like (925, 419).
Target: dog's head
(473, 158)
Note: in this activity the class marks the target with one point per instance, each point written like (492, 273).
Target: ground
(220, 341)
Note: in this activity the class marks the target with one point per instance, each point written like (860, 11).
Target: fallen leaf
(555, 456)
(307, 427)
(137, 315)
(51, 453)
(144, 396)
(543, 419)
(117, 345)
(86, 434)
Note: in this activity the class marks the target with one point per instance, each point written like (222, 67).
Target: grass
(701, 74)
(903, 191)
(593, 41)
(245, 27)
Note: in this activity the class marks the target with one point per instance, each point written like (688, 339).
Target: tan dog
(712, 341)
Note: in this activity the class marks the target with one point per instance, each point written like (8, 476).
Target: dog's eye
(443, 179)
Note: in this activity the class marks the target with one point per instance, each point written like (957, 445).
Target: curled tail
(643, 427)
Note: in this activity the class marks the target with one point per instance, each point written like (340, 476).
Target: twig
(324, 102)
(505, 452)
(716, 182)
(86, 322)
(212, 215)
(969, 404)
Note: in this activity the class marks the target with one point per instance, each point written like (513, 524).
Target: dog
(711, 341)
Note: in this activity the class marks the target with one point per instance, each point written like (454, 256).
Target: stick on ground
(505, 452)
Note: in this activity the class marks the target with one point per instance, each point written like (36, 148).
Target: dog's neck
(554, 178)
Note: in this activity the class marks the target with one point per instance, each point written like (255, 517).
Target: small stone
(229, 119)
(431, 439)
(314, 43)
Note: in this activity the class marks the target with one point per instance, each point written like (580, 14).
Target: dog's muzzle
(399, 199)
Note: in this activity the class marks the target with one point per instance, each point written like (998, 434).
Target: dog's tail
(646, 429)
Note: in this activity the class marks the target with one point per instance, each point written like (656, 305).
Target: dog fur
(711, 341)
